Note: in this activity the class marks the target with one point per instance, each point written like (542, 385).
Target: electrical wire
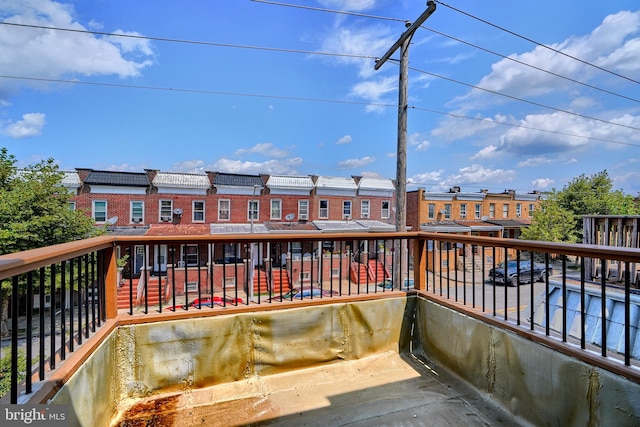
(320, 100)
(515, 98)
(513, 33)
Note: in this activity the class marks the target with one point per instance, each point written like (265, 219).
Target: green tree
(551, 223)
(34, 212)
(594, 195)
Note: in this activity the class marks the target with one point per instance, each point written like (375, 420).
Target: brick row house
(158, 203)
(469, 213)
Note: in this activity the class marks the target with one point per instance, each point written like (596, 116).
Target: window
(447, 211)
(505, 210)
(72, 206)
(166, 210)
(190, 254)
(276, 209)
(303, 210)
(346, 209)
(432, 210)
(518, 210)
(531, 209)
(386, 209)
(323, 212)
(478, 211)
(492, 210)
(364, 209)
(463, 210)
(224, 210)
(137, 211)
(100, 210)
(197, 211)
(253, 209)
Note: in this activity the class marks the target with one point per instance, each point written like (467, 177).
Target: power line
(515, 98)
(514, 125)
(530, 65)
(196, 42)
(538, 43)
(339, 12)
(293, 98)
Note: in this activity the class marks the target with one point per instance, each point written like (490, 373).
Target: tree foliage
(551, 223)
(34, 207)
(583, 195)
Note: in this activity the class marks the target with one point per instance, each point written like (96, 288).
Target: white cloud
(30, 125)
(523, 140)
(426, 178)
(611, 45)
(33, 52)
(267, 149)
(486, 153)
(344, 140)
(542, 183)
(189, 166)
(356, 163)
(419, 141)
(534, 161)
(280, 167)
(374, 91)
(351, 5)
(477, 174)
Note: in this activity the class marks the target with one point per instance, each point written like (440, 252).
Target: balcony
(368, 328)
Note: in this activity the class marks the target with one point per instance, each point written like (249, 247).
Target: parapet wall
(532, 382)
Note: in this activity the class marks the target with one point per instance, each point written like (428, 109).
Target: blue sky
(247, 90)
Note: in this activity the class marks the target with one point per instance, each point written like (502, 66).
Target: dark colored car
(540, 272)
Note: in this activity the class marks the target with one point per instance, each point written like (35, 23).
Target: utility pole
(401, 166)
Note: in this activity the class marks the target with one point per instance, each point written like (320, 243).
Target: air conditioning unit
(136, 220)
(165, 218)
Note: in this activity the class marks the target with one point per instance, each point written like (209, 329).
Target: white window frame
(447, 211)
(323, 213)
(518, 210)
(276, 209)
(72, 205)
(253, 210)
(385, 209)
(94, 211)
(532, 207)
(188, 254)
(492, 210)
(195, 210)
(505, 210)
(431, 211)
(365, 209)
(463, 210)
(224, 209)
(165, 210)
(303, 210)
(346, 209)
(133, 218)
(478, 210)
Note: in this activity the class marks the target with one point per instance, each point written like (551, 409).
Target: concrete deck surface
(382, 390)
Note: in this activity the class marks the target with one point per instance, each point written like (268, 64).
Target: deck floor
(381, 390)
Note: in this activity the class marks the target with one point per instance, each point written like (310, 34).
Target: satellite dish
(177, 211)
(443, 211)
(484, 218)
(290, 217)
(112, 220)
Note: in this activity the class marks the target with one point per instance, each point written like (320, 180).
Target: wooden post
(420, 264)
(111, 285)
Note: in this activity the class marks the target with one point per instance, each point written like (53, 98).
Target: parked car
(540, 272)
(304, 293)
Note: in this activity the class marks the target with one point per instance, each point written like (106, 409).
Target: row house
(166, 203)
(472, 213)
